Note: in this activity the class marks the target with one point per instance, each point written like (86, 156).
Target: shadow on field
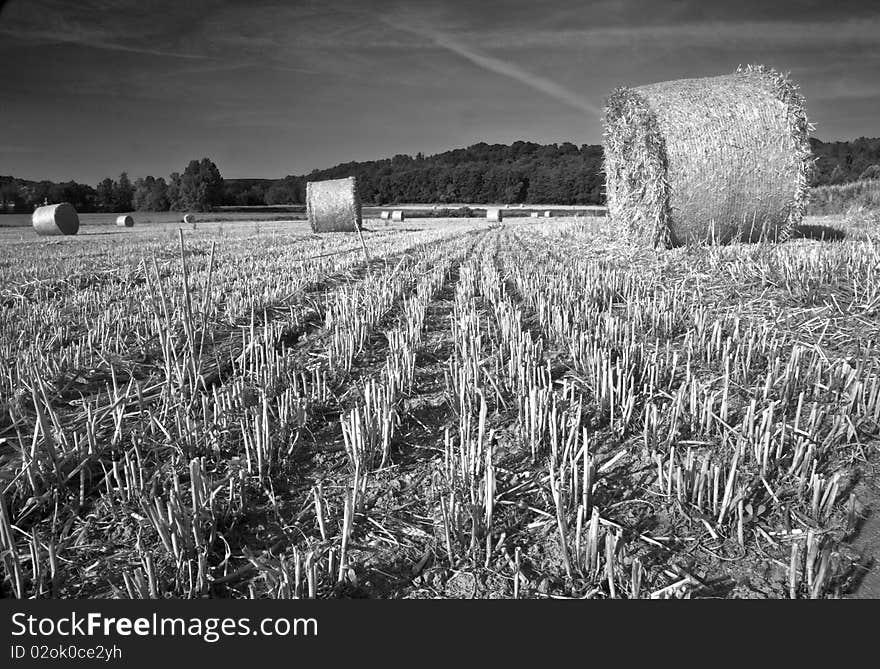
(107, 232)
(822, 233)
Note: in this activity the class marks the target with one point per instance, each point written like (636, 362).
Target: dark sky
(91, 88)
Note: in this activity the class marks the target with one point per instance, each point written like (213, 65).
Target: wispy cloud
(773, 33)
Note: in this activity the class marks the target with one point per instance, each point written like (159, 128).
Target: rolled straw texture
(55, 219)
(710, 160)
(333, 205)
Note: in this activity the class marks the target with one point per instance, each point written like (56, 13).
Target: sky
(266, 89)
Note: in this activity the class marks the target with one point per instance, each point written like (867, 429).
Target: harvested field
(252, 410)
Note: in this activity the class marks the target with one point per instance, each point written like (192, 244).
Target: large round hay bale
(397, 216)
(333, 205)
(189, 218)
(385, 215)
(56, 219)
(535, 214)
(718, 159)
(494, 214)
(124, 221)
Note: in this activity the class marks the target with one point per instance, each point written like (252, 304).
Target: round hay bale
(385, 215)
(397, 216)
(189, 218)
(333, 205)
(548, 214)
(535, 214)
(55, 219)
(494, 215)
(124, 221)
(717, 159)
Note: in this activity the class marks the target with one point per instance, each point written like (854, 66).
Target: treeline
(199, 187)
(523, 172)
(844, 162)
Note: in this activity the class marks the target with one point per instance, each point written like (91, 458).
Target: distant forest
(523, 172)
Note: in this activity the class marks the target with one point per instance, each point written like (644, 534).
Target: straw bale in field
(535, 214)
(548, 214)
(717, 159)
(385, 215)
(494, 215)
(124, 221)
(55, 219)
(333, 205)
(189, 218)
(397, 215)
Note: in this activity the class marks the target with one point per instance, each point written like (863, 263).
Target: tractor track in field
(310, 338)
(147, 371)
(318, 456)
(289, 490)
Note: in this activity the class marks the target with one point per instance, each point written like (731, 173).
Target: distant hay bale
(397, 216)
(548, 214)
(385, 215)
(494, 215)
(189, 218)
(535, 214)
(717, 159)
(124, 221)
(333, 205)
(55, 219)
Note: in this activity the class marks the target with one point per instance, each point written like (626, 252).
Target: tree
(201, 186)
(150, 194)
(870, 172)
(11, 196)
(837, 176)
(104, 194)
(174, 192)
(280, 192)
(123, 192)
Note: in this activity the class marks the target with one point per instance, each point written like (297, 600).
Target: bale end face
(711, 160)
(495, 215)
(333, 205)
(124, 221)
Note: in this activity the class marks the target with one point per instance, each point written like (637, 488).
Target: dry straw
(397, 215)
(333, 205)
(55, 219)
(718, 159)
(124, 221)
(494, 215)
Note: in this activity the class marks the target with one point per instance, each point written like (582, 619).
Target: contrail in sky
(504, 68)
